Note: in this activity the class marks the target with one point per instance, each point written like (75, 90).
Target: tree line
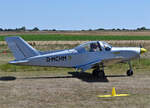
(23, 28)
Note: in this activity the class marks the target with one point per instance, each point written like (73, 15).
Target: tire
(101, 74)
(98, 73)
(129, 72)
(95, 72)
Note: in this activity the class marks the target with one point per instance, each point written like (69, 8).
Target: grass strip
(61, 37)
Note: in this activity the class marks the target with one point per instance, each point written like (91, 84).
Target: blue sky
(74, 14)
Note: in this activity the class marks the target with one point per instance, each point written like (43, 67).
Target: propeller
(140, 54)
(141, 46)
(142, 51)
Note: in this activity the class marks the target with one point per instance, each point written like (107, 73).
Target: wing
(108, 62)
(97, 62)
(88, 65)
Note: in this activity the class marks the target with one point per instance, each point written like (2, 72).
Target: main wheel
(98, 73)
(95, 72)
(101, 74)
(129, 72)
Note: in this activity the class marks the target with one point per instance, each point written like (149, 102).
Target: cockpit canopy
(106, 46)
(93, 46)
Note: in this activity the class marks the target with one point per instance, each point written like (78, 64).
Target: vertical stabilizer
(20, 48)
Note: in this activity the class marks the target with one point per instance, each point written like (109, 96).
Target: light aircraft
(90, 55)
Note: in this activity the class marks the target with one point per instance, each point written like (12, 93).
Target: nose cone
(143, 50)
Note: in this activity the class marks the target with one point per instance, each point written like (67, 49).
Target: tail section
(20, 48)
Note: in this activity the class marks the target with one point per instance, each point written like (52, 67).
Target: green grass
(56, 37)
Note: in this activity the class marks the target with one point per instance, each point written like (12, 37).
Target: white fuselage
(71, 58)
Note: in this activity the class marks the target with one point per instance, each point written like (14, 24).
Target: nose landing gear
(130, 71)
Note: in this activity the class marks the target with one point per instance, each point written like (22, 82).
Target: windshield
(89, 47)
(107, 47)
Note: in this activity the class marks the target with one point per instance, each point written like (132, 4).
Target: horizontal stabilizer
(19, 62)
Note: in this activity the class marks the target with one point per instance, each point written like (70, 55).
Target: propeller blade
(141, 46)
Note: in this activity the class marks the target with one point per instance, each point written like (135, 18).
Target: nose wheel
(130, 71)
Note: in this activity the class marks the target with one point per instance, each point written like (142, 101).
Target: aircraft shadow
(7, 78)
(51, 77)
(116, 76)
(87, 77)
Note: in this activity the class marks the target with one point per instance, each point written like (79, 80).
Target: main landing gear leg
(130, 71)
(98, 72)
